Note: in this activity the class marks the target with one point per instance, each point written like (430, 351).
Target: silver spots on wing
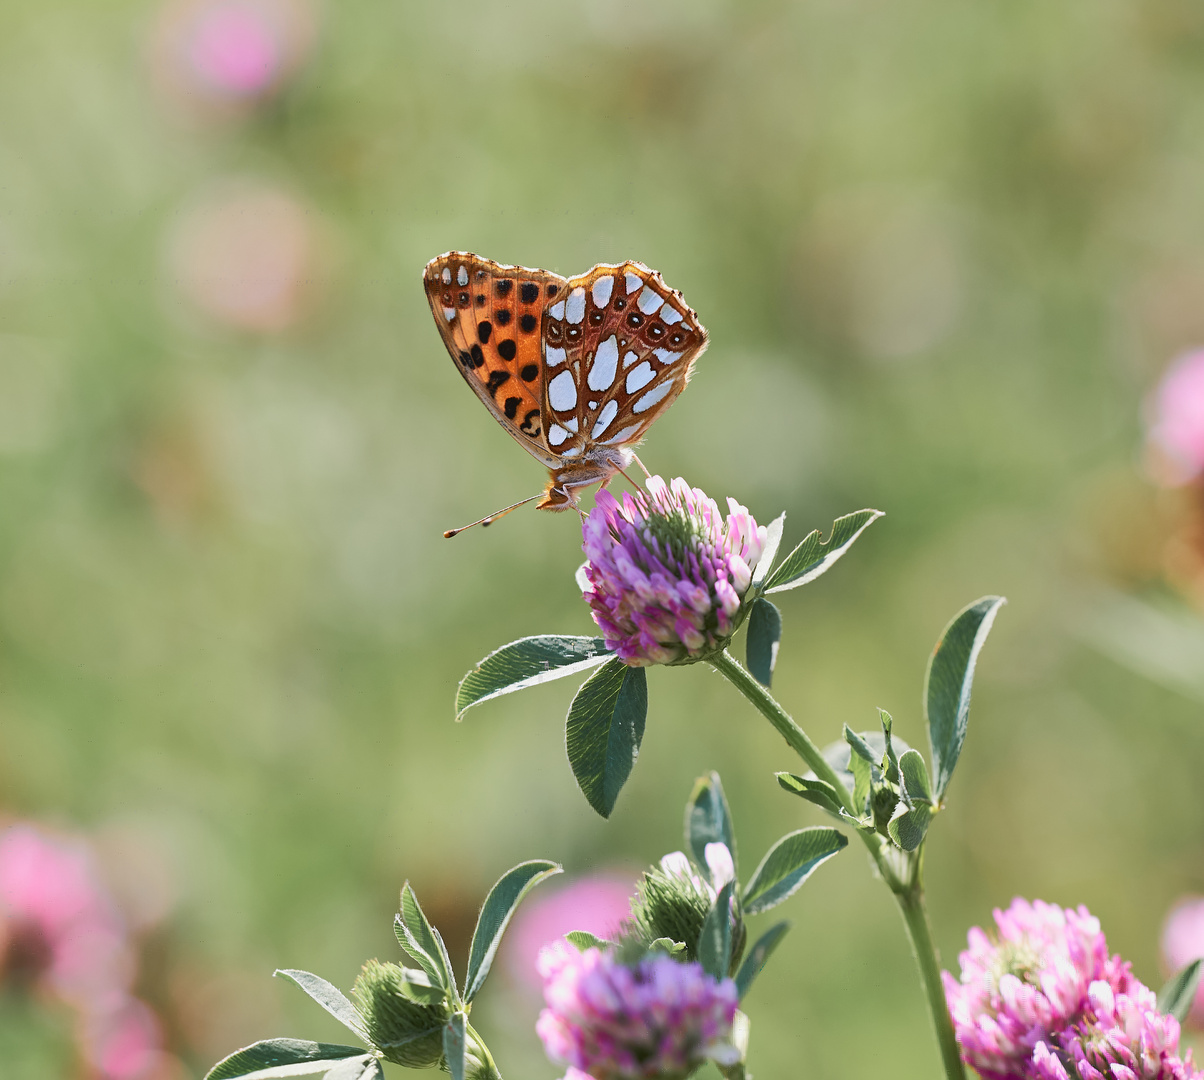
(621, 436)
(606, 362)
(574, 306)
(665, 356)
(649, 300)
(602, 289)
(640, 377)
(653, 396)
(462, 276)
(449, 313)
(556, 435)
(632, 281)
(562, 392)
(629, 358)
(608, 413)
(557, 310)
(555, 356)
(671, 315)
(445, 277)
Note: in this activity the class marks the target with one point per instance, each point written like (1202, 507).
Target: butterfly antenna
(489, 519)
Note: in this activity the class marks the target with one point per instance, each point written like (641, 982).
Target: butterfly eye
(656, 331)
(596, 317)
(635, 320)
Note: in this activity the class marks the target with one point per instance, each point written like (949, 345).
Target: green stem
(915, 916)
(908, 890)
(795, 736)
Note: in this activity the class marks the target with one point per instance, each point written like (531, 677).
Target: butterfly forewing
(490, 317)
(619, 349)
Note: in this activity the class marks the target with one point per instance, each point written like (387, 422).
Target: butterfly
(575, 369)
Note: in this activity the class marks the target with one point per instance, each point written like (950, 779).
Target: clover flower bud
(667, 573)
(1183, 942)
(613, 1021)
(1025, 982)
(406, 1031)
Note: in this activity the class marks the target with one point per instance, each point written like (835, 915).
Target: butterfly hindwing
(490, 318)
(618, 349)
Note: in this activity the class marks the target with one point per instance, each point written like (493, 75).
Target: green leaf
(417, 986)
(715, 941)
(764, 636)
(915, 777)
(769, 552)
(495, 915)
(667, 945)
(283, 1057)
(948, 681)
(454, 1045)
(788, 864)
(819, 792)
(757, 955)
(331, 998)
(890, 760)
(860, 765)
(604, 730)
(1177, 995)
(422, 941)
(528, 662)
(909, 825)
(708, 821)
(839, 753)
(583, 939)
(365, 1068)
(814, 556)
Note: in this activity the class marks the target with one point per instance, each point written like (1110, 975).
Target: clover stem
(908, 890)
(915, 917)
(798, 740)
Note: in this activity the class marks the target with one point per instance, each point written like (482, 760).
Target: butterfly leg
(640, 464)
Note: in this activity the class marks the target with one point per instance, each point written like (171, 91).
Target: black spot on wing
(497, 379)
(511, 409)
(484, 329)
(529, 292)
(507, 349)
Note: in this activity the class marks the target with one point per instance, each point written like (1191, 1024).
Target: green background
(943, 249)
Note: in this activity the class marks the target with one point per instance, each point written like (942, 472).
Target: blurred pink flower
(60, 930)
(249, 256)
(1176, 427)
(598, 904)
(1183, 942)
(213, 57)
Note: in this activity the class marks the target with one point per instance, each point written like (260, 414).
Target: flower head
(667, 573)
(613, 1021)
(1026, 982)
(1122, 1036)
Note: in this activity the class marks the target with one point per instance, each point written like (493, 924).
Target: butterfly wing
(490, 317)
(619, 347)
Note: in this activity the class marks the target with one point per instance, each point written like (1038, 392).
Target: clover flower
(1123, 1036)
(666, 572)
(613, 1021)
(1175, 434)
(1028, 981)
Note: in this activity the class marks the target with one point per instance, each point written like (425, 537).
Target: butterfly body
(575, 369)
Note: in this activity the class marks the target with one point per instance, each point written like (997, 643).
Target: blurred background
(945, 252)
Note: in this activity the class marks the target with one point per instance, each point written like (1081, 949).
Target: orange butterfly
(576, 369)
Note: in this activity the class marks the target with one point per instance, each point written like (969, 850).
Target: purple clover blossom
(607, 1020)
(666, 573)
(1027, 982)
(1123, 1036)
